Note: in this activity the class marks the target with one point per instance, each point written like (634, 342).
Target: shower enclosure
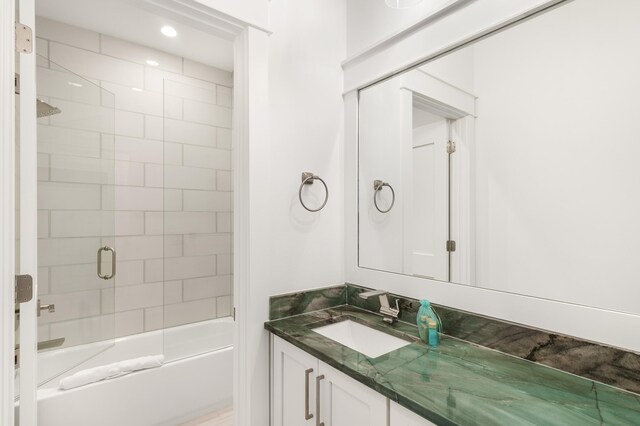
(75, 218)
(134, 222)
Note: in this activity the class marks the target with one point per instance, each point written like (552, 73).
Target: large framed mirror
(512, 163)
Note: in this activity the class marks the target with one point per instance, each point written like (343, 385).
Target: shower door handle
(113, 263)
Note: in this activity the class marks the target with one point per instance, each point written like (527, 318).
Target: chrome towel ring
(307, 179)
(377, 186)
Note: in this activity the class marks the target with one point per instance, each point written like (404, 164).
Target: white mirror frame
(430, 39)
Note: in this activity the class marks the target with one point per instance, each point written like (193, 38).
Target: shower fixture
(46, 110)
(43, 109)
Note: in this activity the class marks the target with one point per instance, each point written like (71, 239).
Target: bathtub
(185, 387)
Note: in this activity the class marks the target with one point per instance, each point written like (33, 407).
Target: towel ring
(307, 179)
(377, 186)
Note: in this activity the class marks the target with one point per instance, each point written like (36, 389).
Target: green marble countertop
(459, 383)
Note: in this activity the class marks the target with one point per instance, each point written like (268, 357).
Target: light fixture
(152, 62)
(402, 4)
(169, 31)
(74, 84)
(136, 89)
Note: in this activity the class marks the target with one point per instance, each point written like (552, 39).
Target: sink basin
(366, 340)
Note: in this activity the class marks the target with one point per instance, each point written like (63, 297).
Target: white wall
(253, 12)
(385, 120)
(372, 21)
(455, 69)
(290, 248)
(557, 154)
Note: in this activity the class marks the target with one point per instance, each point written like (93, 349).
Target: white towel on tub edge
(110, 371)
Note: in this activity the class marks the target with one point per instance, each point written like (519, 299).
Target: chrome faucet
(390, 314)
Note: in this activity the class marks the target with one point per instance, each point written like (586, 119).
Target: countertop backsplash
(605, 364)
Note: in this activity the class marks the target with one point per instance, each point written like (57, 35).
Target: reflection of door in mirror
(427, 221)
(543, 179)
(408, 126)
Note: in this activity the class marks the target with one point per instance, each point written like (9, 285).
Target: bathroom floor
(221, 417)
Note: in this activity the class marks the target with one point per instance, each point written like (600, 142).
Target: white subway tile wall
(160, 183)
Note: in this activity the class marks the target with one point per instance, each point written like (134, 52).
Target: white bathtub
(186, 386)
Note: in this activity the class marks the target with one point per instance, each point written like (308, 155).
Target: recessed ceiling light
(136, 89)
(152, 62)
(169, 31)
(74, 84)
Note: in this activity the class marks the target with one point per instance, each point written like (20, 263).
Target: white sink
(361, 338)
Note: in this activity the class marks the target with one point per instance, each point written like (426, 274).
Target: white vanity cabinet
(293, 385)
(303, 386)
(400, 416)
(346, 402)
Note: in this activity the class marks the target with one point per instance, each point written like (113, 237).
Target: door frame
(250, 93)
(7, 208)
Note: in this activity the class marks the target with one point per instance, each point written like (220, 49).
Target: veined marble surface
(606, 364)
(612, 366)
(461, 383)
(290, 304)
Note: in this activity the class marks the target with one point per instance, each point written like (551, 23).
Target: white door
(427, 208)
(345, 402)
(26, 217)
(66, 214)
(294, 382)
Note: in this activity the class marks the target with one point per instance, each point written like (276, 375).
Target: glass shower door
(76, 219)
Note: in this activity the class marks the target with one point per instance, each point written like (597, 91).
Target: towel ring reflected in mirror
(307, 179)
(377, 187)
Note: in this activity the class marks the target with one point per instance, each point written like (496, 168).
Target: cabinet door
(294, 373)
(345, 402)
(400, 416)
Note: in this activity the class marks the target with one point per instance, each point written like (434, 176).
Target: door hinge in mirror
(451, 147)
(24, 38)
(24, 288)
(451, 246)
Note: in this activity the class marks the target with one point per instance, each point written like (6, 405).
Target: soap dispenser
(427, 315)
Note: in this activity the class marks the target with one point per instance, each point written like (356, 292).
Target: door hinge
(451, 147)
(24, 38)
(234, 313)
(16, 83)
(24, 288)
(451, 246)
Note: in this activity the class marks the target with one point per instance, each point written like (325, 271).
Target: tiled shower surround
(173, 190)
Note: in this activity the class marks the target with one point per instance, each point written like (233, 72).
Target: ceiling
(136, 21)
